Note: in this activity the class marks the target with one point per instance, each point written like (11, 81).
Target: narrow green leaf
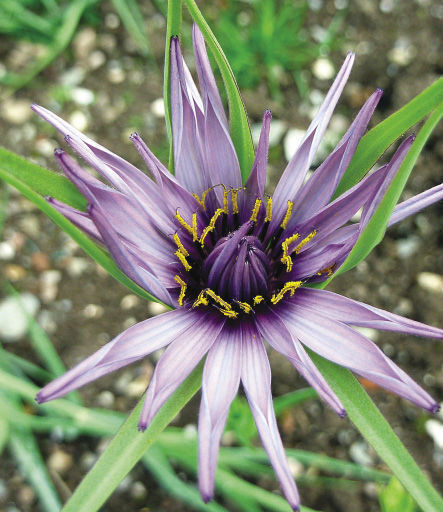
(173, 25)
(159, 466)
(393, 498)
(240, 131)
(292, 399)
(377, 431)
(379, 138)
(25, 451)
(127, 448)
(42, 181)
(133, 21)
(91, 249)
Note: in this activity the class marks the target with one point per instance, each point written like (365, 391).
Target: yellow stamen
(190, 229)
(244, 306)
(286, 258)
(268, 210)
(257, 299)
(203, 198)
(179, 244)
(287, 215)
(182, 259)
(218, 299)
(211, 225)
(255, 210)
(229, 313)
(234, 194)
(328, 270)
(290, 287)
(183, 286)
(201, 299)
(225, 200)
(304, 242)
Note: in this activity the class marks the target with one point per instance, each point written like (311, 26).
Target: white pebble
(82, 96)
(93, 311)
(430, 281)
(156, 309)
(292, 141)
(7, 251)
(14, 313)
(129, 301)
(435, 430)
(323, 69)
(79, 120)
(158, 108)
(16, 111)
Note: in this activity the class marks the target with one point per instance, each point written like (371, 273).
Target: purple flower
(234, 263)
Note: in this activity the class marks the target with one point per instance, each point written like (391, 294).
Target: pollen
(210, 227)
(290, 287)
(183, 287)
(257, 299)
(247, 308)
(287, 215)
(304, 241)
(183, 260)
(180, 246)
(190, 229)
(268, 210)
(286, 258)
(255, 210)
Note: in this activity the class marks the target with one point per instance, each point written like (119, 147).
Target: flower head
(234, 263)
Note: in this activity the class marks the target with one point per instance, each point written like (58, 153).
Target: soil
(397, 50)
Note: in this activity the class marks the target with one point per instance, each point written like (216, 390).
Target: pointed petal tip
(267, 114)
(206, 497)
(142, 427)
(39, 398)
(58, 152)
(342, 413)
(435, 407)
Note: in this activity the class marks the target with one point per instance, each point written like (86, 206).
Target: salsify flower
(234, 263)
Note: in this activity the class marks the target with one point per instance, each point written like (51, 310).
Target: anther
(286, 258)
(179, 244)
(268, 210)
(244, 306)
(304, 242)
(257, 299)
(287, 215)
(183, 286)
(255, 210)
(211, 225)
(190, 229)
(290, 287)
(182, 259)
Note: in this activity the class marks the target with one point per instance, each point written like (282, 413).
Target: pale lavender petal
(187, 116)
(391, 171)
(78, 218)
(178, 361)
(221, 157)
(320, 187)
(129, 346)
(352, 312)
(276, 334)
(340, 344)
(256, 380)
(206, 78)
(125, 260)
(416, 203)
(294, 174)
(221, 378)
(122, 170)
(256, 182)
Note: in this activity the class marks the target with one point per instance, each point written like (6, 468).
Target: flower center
(227, 258)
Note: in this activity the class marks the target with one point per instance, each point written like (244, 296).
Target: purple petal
(416, 203)
(256, 182)
(352, 312)
(125, 260)
(317, 192)
(256, 379)
(276, 334)
(342, 345)
(391, 171)
(78, 218)
(221, 378)
(187, 122)
(221, 157)
(178, 361)
(129, 346)
(121, 170)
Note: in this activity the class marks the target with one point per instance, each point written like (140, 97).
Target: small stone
(292, 141)
(87, 460)
(7, 251)
(93, 311)
(84, 42)
(359, 453)
(45, 146)
(79, 120)
(14, 313)
(47, 321)
(372, 334)
(82, 96)
(434, 429)
(407, 247)
(295, 467)
(49, 280)
(116, 75)
(155, 308)
(73, 77)
(323, 69)
(96, 59)
(125, 484)
(138, 386)
(26, 495)
(431, 282)
(112, 21)
(76, 266)
(16, 111)
(158, 108)
(129, 322)
(138, 491)
(105, 399)
(14, 272)
(276, 132)
(60, 461)
(40, 261)
(129, 301)
(30, 224)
